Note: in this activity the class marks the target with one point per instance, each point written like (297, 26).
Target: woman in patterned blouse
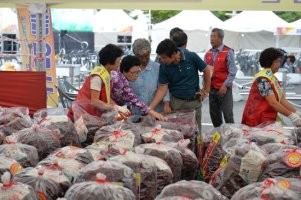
(122, 93)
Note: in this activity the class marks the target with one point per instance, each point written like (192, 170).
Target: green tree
(161, 15)
(289, 16)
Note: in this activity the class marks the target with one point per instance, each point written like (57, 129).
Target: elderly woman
(266, 98)
(146, 84)
(122, 93)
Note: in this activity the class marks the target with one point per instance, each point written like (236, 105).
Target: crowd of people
(135, 84)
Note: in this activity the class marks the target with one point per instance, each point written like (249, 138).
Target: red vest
(257, 109)
(85, 93)
(220, 70)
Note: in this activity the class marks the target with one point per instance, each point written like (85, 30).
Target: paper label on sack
(293, 159)
(124, 139)
(250, 167)
(284, 184)
(15, 168)
(81, 129)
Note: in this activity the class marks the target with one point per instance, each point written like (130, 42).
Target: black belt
(187, 99)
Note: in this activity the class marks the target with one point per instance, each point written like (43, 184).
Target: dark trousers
(221, 106)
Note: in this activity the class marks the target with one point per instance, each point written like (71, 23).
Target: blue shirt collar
(220, 48)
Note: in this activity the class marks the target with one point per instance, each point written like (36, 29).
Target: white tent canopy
(191, 20)
(254, 21)
(196, 23)
(112, 20)
(296, 24)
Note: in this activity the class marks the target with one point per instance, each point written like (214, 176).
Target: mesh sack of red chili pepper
(98, 189)
(271, 189)
(43, 139)
(183, 121)
(103, 151)
(9, 114)
(90, 116)
(15, 190)
(14, 119)
(24, 154)
(68, 166)
(190, 161)
(48, 183)
(190, 190)
(285, 162)
(212, 146)
(115, 172)
(243, 167)
(56, 120)
(9, 165)
(270, 133)
(169, 154)
(69, 160)
(145, 171)
(120, 134)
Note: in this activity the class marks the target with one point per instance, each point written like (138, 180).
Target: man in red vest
(266, 98)
(221, 58)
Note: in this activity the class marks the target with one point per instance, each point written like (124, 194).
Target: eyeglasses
(135, 73)
(141, 56)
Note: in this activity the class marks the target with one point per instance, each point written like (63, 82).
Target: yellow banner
(32, 46)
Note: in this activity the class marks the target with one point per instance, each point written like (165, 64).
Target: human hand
(202, 94)
(122, 110)
(222, 91)
(157, 115)
(166, 108)
(298, 113)
(296, 120)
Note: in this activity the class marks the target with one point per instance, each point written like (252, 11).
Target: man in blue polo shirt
(179, 74)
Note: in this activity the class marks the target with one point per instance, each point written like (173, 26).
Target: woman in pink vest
(97, 87)
(266, 98)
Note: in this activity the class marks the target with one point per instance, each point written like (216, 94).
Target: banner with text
(288, 31)
(31, 43)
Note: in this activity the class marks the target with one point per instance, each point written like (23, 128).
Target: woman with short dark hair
(97, 86)
(266, 98)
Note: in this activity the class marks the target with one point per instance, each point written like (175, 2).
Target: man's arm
(207, 79)
(161, 91)
(231, 68)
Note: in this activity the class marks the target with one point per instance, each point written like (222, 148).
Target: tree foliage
(161, 15)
